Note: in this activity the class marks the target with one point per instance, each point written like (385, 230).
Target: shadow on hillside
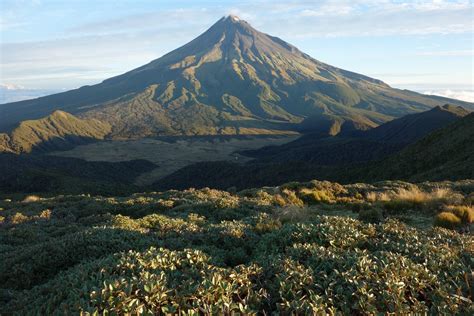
(67, 142)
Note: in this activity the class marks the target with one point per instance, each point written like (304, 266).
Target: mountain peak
(232, 18)
(231, 79)
(233, 23)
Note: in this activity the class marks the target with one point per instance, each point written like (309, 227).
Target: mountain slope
(413, 127)
(445, 154)
(361, 146)
(232, 79)
(52, 131)
(48, 174)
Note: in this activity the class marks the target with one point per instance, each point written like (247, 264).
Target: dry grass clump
(414, 195)
(31, 198)
(447, 220)
(414, 198)
(287, 197)
(312, 196)
(465, 213)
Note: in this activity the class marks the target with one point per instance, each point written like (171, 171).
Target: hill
(232, 79)
(52, 132)
(49, 174)
(444, 154)
(411, 128)
(361, 146)
(293, 249)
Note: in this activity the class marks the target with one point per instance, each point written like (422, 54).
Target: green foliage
(266, 224)
(371, 215)
(208, 251)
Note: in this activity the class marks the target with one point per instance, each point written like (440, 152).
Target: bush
(292, 214)
(371, 215)
(447, 220)
(266, 224)
(210, 252)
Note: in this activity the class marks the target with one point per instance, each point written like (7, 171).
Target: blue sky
(425, 46)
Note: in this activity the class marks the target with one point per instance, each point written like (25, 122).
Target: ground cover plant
(315, 247)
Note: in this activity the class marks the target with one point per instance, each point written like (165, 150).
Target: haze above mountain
(232, 79)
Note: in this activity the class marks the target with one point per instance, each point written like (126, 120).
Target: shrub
(447, 220)
(217, 253)
(266, 224)
(18, 218)
(469, 200)
(292, 214)
(45, 214)
(371, 215)
(357, 207)
(291, 186)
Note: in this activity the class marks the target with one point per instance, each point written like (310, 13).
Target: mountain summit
(232, 79)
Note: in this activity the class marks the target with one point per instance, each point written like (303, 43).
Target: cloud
(164, 20)
(464, 95)
(451, 53)
(77, 54)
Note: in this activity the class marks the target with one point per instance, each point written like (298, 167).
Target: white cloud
(93, 51)
(464, 95)
(466, 52)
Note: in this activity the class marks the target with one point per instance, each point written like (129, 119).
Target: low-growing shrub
(18, 218)
(292, 214)
(212, 252)
(371, 215)
(359, 206)
(266, 224)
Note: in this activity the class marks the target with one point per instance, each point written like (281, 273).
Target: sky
(55, 45)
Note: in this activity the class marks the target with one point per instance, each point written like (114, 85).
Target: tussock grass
(465, 213)
(447, 220)
(415, 199)
(31, 198)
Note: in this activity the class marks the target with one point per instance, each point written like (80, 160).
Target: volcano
(231, 80)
